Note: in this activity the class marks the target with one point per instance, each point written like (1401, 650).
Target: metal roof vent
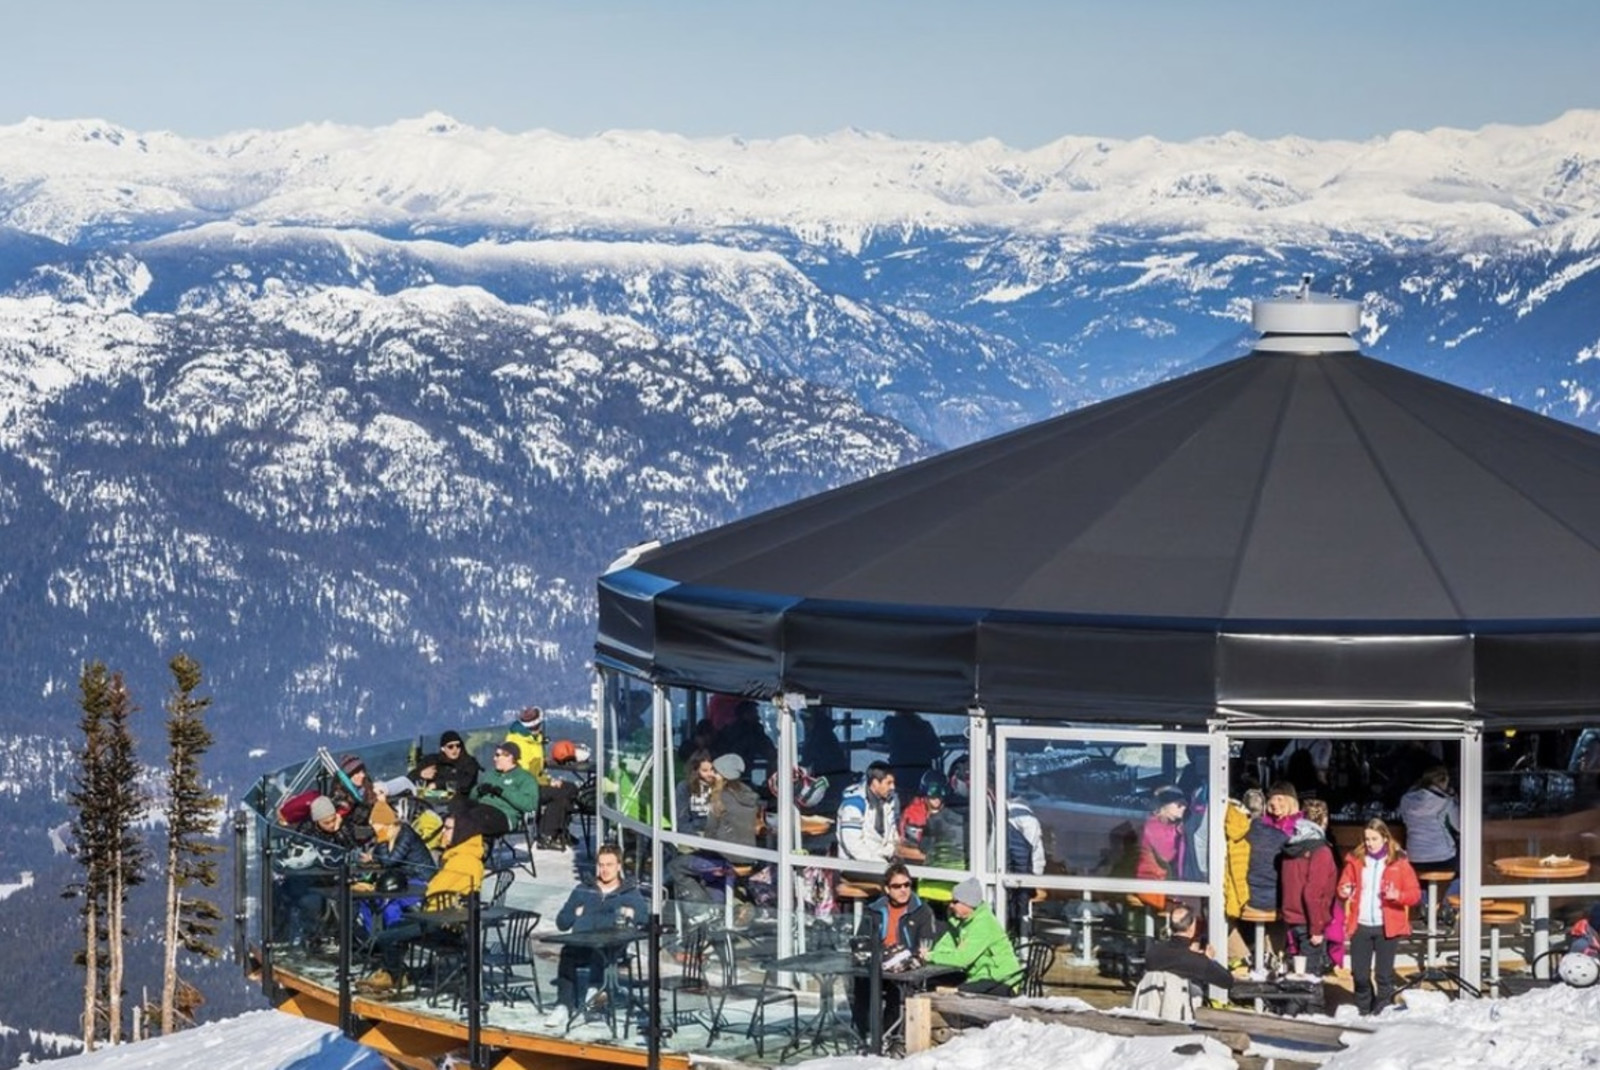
(1306, 322)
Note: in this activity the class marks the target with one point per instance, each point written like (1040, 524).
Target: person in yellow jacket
(460, 873)
(1236, 874)
(556, 796)
(527, 732)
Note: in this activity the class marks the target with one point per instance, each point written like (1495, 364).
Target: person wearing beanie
(503, 796)
(1163, 847)
(526, 730)
(976, 943)
(460, 873)
(317, 845)
(356, 806)
(450, 770)
(733, 814)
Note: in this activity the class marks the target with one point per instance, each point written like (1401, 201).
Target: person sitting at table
(558, 797)
(608, 900)
(460, 873)
(733, 817)
(320, 843)
(868, 817)
(1178, 969)
(905, 927)
(502, 796)
(356, 805)
(1432, 818)
(694, 794)
(977, 944)
(396, 848)
(1379, 888)
(450, 769)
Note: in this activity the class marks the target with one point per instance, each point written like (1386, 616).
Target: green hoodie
(980, 946)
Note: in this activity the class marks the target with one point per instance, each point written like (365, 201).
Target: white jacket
(868, 827)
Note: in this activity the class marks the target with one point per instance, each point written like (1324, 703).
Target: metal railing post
(475, 980)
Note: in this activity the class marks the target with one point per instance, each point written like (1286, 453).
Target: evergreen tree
(126, 802)
(91, 841)
(192, 810)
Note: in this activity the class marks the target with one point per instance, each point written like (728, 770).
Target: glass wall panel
(1106, 808)
(626, 788)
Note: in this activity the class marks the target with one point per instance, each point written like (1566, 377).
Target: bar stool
(857, 892)
(1260, 919)
(1433, 879)
(1496, 914)
(736, 873)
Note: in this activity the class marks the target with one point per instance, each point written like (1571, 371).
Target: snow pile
(261, 1040)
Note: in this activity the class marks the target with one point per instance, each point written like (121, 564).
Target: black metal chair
(723, 973)
(1037, 957)
(692, 980)
(510, 967)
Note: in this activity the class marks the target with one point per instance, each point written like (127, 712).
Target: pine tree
(191, 816)
(126, 802)
(91, 841)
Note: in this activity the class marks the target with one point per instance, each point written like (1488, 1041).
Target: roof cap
(1306, 322)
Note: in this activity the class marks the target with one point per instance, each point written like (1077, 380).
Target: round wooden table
(1531, 867)
(1535, 868)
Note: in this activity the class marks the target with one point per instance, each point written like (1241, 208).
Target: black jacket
(918, 925)
(1176, 957)
(459, 775)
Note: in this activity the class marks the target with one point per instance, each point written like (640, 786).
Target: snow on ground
(260, 1040)
(1554, 1029)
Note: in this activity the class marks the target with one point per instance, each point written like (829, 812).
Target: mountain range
(355, 416)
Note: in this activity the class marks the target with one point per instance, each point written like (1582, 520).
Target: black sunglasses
(899, 884)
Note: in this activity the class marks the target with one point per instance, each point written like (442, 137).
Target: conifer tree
(126, 801)
(192, 810)
(91, 842)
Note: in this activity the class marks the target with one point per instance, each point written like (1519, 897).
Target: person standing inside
(1161, 844)
(1308, 879)
(913, 748)
(868, 822)
(1378, 888)
(976, 943)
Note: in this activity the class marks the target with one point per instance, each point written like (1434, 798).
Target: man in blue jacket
(611, 900)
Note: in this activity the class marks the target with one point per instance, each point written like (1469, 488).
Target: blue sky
(1022, 71)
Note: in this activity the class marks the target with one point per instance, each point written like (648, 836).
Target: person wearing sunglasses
(450, 769)
(906, 926)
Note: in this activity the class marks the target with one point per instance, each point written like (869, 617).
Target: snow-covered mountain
(356, 415)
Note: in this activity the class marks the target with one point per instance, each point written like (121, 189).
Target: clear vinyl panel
(1098, 832)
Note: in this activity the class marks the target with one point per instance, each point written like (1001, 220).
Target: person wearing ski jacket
(1378, 888)
(1308, 879)
(977, 943)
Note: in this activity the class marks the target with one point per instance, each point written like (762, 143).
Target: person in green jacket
(503, 794)
(977, 943)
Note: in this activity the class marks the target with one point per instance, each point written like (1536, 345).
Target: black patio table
(611, 943)
(827, 965)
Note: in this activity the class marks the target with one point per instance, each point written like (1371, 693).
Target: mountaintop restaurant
(1303, 565)
(1301, 549)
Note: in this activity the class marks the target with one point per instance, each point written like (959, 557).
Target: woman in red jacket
(1307, 876)
(1379, 888)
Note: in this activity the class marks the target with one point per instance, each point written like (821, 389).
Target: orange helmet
(562, 752)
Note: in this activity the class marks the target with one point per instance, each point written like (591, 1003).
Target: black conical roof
(1303, 495)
